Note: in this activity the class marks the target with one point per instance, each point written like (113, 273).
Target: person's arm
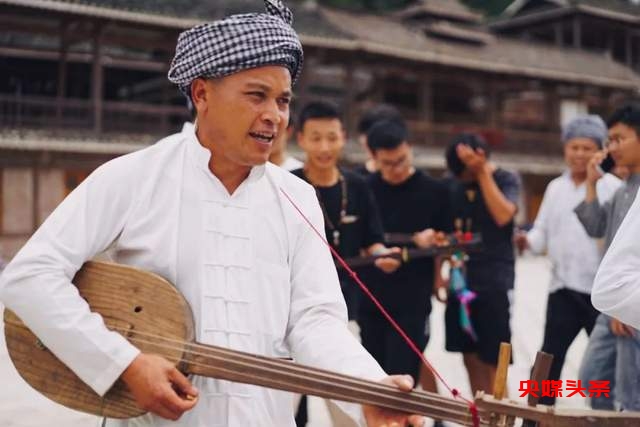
(317, 332)
(502, 209)
(591, 212)
(616, 289)
(374, 233)
(536, 238)
(593, 216)
(499, 201)
(37, 286)
(594, 174)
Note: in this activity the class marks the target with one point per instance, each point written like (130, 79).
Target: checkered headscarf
(237, 43)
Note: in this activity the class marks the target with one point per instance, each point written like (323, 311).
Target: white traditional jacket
(256, 276)
(616, 290)
(573, 254)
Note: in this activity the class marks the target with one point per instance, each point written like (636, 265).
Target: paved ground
(20, 406)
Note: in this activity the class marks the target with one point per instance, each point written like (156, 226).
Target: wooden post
(97, 80)
(426, 108)
(552, 109)
(302, 87)
(494, 106)
(500, 384)
(165, 95)
(628, 51)
(35, 188)
(62, 72)
(558, 31)
(350, 99)
(577, 32)
(539, 373)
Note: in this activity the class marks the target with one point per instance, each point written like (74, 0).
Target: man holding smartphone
(612, 341)
(573, 253)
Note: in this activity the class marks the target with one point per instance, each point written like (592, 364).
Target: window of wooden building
(402, 92)
(526, 109)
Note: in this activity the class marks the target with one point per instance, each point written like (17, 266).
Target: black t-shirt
(363, 227)
(493, 268)
(418, 203)
(363, 171)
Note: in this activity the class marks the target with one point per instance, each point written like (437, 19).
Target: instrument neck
(231, 365)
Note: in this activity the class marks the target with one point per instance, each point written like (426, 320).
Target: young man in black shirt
(484, 199)
(351, 217)
(352, 220)
(368, 119)
(412, 203)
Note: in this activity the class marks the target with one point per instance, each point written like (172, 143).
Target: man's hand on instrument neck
(379, 417)
(159, 387)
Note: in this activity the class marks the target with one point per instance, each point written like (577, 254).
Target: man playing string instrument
(204, 210)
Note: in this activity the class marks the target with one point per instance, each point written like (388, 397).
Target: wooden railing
(77, 115)
(69, 115)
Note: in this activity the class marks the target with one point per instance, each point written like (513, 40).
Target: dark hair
(387, 135)
(627, 115)
(454, 164)
(377, 113)
(318, 110)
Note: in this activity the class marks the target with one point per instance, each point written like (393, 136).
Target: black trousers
(387, 346)
(568, 312)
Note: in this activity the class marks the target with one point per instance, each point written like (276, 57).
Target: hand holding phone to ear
(594, 168)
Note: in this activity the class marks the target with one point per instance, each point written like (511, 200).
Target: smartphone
(607, 164)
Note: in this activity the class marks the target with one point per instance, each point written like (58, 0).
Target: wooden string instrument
(450, 244)
(153, 315)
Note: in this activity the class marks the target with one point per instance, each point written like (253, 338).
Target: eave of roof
(371, 32)
(545, 15)
(357, 44)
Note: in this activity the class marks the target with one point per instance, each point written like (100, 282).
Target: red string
(454, 392)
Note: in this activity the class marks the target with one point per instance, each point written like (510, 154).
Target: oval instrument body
(145, 308)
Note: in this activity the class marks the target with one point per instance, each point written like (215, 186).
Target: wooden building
(84, 81)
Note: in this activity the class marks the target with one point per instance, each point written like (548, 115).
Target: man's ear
(199, 94)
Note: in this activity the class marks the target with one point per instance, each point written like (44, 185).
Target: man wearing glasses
(412, 203)
(611, 340)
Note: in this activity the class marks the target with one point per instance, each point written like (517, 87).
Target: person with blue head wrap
(574, 255)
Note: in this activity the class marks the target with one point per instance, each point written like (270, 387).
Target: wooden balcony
(502, 139)
(77, 116)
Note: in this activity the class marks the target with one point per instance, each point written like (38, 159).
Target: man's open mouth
(265, 138)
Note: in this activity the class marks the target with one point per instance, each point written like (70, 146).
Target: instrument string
(187, 348)
(458, 412)
(454, 392)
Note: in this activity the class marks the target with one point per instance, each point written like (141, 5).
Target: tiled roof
(379, 35)
(441, 8)
(618, 10)
(502, 55)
